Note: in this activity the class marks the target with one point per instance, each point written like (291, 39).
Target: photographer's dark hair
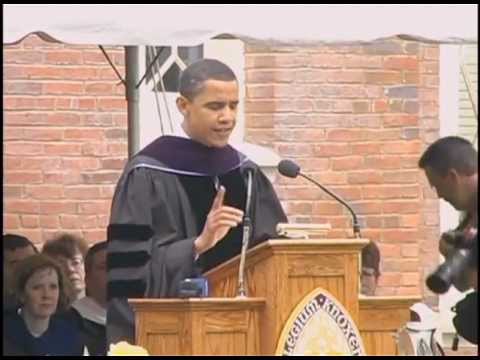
(451, 152)
(193, 77)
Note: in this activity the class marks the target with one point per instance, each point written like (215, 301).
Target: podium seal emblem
(320, 325)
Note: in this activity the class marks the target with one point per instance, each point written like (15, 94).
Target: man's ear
(183, 105)
(453, 175)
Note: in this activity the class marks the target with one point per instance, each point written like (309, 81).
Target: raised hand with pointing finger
(220, 220)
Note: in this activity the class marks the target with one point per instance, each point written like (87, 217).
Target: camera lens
(440, 281)
(453, 267)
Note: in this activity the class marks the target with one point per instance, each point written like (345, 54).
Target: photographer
(450, 165)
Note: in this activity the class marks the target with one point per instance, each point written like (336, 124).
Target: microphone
(290, 169)
(247, 231)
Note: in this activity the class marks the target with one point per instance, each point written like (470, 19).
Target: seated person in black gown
(92, 308)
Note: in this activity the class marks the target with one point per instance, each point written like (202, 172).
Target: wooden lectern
(279, 275)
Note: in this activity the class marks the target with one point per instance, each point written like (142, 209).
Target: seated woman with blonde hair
(34, 329)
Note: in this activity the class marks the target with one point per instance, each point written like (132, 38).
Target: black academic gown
(158, 210)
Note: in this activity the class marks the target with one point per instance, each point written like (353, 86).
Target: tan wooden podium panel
(279, 274)
(380, 318)
(200, 326)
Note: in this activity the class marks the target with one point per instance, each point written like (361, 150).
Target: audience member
(34, 330)
(15, 249)
(92, 308)
(70, 250)
(370, 269)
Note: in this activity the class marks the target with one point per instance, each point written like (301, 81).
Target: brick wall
(65, 138)
(357, 119)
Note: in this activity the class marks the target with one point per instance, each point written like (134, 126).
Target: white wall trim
(450, 57)
(449, 89)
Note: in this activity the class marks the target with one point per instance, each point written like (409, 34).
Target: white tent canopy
(132, 25)
(136, 24)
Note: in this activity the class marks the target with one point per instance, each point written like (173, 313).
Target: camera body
(454, 268)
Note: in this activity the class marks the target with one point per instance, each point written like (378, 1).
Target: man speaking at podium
(179, 204)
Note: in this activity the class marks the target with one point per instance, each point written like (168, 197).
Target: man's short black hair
(91, 253)
(193, 77)
(371, 257)
(451, 152)
(12, 242)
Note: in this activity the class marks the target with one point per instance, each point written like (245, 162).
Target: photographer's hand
(446, 244)
(450, 243)
(452, 240)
